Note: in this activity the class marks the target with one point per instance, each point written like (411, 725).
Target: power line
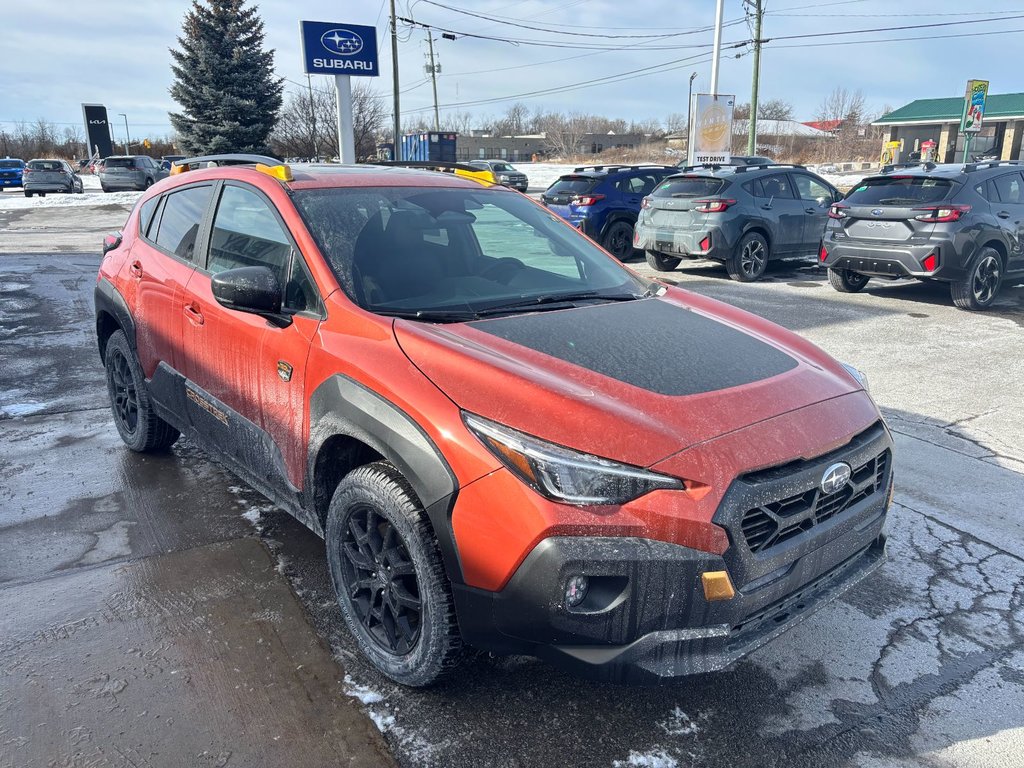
(897, 29)
(901, 39)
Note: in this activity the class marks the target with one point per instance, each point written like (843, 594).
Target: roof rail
(968, 167)
(761, 166)
(485, 177)
(268, 165)
(611, 167)
(916, 164)
(710, 166)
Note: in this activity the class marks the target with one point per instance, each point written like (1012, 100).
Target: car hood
(632, 381)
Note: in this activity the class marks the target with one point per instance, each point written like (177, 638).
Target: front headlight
(562, 474)
(860, 376)
(504, 177)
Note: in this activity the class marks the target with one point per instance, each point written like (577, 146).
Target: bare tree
(308, 125)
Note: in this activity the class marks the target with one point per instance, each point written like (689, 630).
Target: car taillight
(937, 214)
(930, 262)
(645, 203)
(838, 211)
(584, 200)
(712, 206)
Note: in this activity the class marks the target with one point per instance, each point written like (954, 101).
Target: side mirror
(255, 290)
(111, 241)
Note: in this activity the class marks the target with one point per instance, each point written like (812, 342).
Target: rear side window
(573, 185)
(179, 224)
(120, 162)
(637, 184)
(146, 215)
(900, 190)
(1008, 188)
(777, 187)
(46, 165)
(690, 186)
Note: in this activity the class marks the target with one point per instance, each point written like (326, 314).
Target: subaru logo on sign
(343, 42)
(835, 478)
(876, 212)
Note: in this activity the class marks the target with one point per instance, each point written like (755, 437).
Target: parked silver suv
(130, 172)
(50, 175)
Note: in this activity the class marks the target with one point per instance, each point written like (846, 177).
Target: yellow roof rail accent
(486, 178)
(176, 169)
(279, 172)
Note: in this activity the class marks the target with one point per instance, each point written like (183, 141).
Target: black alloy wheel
(618, 240)
(124, 397)
(750, 259)
(382, 582)
(979, 288)
(136, 421)
(845, 281)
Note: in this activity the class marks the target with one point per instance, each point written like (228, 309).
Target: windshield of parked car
(45, 165)
(120, 162)
(899, 190)
(502, 167)
(11, 164)
(573, 185)
(689, 186)
(454, 254)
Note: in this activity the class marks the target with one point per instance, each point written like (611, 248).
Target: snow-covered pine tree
(224, 80)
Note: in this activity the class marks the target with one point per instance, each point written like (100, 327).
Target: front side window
(427, 250)
(179, 224)
(811, 189)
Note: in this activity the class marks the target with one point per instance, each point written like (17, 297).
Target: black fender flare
(343, 406)
(108, 300)
(613, 218)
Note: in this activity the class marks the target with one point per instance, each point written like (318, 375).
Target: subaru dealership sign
(332, 48)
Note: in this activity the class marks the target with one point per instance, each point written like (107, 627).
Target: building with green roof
(939, 121)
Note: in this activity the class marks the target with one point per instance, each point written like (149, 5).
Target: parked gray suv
(50, 175)
(742, 216)
(130, 172)
(961, 224)
(506, 174)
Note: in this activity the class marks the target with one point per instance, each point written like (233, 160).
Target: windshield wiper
(430, 315)
(896, 200)
(554, 300)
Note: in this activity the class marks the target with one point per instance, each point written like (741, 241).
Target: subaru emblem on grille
(876, 212)
(835, 478)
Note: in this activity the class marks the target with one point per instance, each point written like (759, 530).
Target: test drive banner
(97, 128)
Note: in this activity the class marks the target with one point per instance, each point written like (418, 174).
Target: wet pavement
(143, 622)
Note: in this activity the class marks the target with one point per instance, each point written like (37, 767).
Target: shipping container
(430, 146)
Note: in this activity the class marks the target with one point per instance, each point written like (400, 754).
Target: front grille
(776, 522)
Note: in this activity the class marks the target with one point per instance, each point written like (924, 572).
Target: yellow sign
(712, 140)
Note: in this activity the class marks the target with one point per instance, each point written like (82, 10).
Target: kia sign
(712, 134)
(333, 48)
(97, 128)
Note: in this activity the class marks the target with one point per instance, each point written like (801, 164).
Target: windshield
(502, 167)
(691, 186)
(10, 163)
(900, 190)
(409, 250)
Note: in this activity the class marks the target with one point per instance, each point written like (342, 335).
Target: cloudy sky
(56, 55)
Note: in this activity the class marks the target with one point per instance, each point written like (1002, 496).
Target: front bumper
(893, 259)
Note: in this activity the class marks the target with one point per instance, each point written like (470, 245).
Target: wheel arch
(615, 217)
(760, 228)
(112, 314)
(998, 246)
(350, 426)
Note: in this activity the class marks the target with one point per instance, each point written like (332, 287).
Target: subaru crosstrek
(603, 201)
(742, 216)
(959, 224)
(506, 439)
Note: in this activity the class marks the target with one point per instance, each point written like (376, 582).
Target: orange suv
(506, 438)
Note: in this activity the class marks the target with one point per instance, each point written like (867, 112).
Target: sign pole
(346, 136)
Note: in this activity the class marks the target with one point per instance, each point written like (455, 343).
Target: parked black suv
(740, 215)
(961, 224)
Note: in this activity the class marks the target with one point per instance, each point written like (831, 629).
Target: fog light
(930, 262)
(705, 244)
(822, 254)
(576, 591)
(717, 586)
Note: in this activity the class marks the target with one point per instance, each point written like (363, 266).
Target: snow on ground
(14, 199)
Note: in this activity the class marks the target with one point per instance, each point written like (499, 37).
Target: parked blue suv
(11, 172)
(603, 201)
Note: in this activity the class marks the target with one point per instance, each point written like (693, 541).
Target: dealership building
(938, 120)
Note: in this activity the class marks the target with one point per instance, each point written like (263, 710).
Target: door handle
(810, 210)
(194, 315)
(1003, 215)
(136, 269)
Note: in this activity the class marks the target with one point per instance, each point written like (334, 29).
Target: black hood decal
(647, 343)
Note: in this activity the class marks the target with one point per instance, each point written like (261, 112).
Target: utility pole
(433, 68)
(758, 18)
(312, 118)
(397, 155)
(718, 46)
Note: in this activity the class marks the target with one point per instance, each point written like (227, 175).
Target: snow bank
(12, 201)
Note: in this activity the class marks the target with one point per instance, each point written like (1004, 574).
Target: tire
(978, 289)
(618, 240)
(137, 423)
(27, 193)
(105, 189)
(845, 281)
(402, 617)
(661, 262)
(148, 184)
(750, 259)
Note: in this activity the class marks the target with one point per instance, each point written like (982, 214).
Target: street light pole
(127, 136)
(397, 154)
(755, 83)
(717, 47)
(689, 120)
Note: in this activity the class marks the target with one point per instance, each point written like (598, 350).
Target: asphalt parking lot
(122, 574)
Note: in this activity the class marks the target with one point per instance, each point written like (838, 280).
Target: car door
(1009, 209)
(816, 197)
(779, 206)
(245, 375)
(154, 276)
